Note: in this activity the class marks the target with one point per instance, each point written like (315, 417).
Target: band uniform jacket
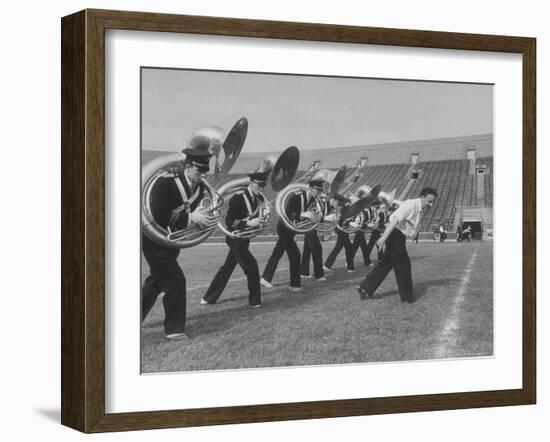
(368, 217)
(299, 203)
(383, 218)
(169, 207)
(243, 206)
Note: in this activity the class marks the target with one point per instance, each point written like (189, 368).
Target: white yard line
(449, 334)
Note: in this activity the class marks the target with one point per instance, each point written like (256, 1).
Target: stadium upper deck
(451, 165)
(378, 154)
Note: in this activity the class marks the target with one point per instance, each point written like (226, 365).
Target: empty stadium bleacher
(442, 164)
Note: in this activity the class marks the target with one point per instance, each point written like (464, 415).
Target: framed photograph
(267, 221)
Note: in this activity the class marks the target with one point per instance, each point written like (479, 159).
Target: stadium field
(327, 323)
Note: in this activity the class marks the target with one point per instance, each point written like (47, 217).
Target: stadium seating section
(442, 164)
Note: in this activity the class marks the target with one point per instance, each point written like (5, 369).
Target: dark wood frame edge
(83, 196)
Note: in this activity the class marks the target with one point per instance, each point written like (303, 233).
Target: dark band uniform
(243, 206)
(172, 200)
(344, 242)
(359, 239)
(286, 243)
(383, 219)
(312, 244)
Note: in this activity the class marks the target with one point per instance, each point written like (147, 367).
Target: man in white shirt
(404, 222)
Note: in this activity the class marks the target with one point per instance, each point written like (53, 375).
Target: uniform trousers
(285, 243)
(312, 249)
(341, 242)
(239, 253)
(359, 241)
(394, 257)
(374, 236)
(165, 276)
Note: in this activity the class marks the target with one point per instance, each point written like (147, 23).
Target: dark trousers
(165, 276)
(342, 242)
(374, 236)
(239, 253)
(359, 241)
(312, 248)
(285, 243)
(394, 257)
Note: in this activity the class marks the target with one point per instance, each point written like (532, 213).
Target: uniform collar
(250, 195)
(189, 184)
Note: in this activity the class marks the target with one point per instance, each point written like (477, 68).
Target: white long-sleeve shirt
(408, 216)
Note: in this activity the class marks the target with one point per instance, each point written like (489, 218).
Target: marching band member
(405, 221)
(314, 249)
(341, 242)
(368, 224)
(312, 244)
(244, 213)
(174, 206)
(359, 241)
(378, 224)
(302, 205)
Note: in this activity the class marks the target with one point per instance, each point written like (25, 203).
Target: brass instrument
(351, 225)
(282, 172)
(354, 218)
(335, 180)
(303, 225)
(171, 166)
(327, 226)
(388, 199)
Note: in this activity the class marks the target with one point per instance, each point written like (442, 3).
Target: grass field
(327, 323)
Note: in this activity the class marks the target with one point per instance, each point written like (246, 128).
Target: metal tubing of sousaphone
(356, 208)
(334, 180)
(282, 173)
(172, 165)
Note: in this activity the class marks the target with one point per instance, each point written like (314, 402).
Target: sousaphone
(335, 178)
(352, 214)
(282, 172)
(171, 166)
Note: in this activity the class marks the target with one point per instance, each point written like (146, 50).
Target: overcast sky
(308, 112)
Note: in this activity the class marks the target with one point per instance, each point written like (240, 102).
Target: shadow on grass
(228, 312)
(232, 311)
(419, 289)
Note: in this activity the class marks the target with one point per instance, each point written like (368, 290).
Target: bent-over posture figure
(404, 222)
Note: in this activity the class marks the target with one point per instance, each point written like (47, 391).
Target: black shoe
(363, 294)
(409, 300)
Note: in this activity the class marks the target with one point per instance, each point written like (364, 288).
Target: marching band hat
(204, 142)
(198, 158)
(316, 184)
(340, 198)
(259, 177)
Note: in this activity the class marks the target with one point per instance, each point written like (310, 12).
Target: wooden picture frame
(83, 220)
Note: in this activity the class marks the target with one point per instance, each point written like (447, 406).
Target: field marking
(449, 334)
(261, 243)
(242, 278)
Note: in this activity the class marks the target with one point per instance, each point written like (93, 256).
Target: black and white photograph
(297, 220)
